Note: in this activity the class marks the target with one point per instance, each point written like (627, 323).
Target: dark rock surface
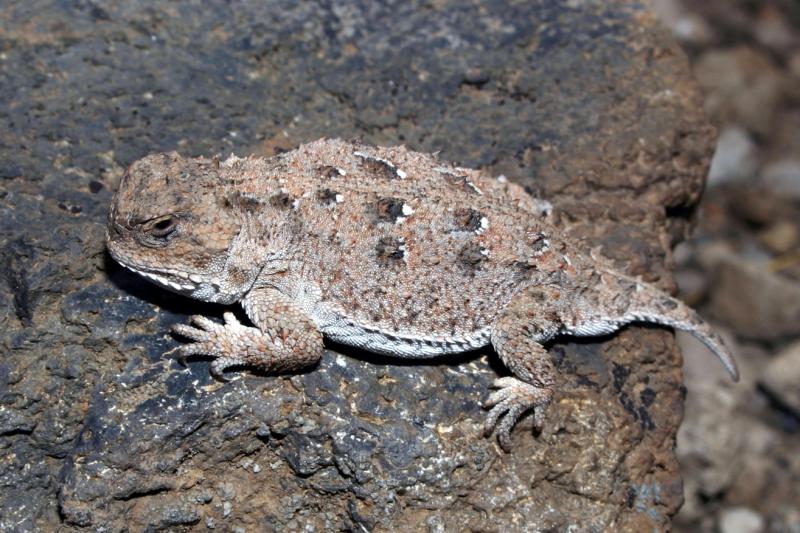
(590, 106)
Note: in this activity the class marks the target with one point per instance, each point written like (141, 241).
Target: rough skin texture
(385, 249)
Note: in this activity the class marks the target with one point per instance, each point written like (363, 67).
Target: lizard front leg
(284, 339)
(515, 336)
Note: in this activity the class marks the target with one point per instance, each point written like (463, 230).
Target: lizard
(382, 248)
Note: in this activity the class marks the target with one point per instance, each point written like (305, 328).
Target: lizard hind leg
(514, 337)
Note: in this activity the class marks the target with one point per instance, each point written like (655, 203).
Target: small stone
(756, 303)
(227, 507)
(783, 177)
(794, 64)
(686, 26)
(710, 437)
(204, 496)
(735, 158)
(782, 376)
(476, 76)
(781, 237)
(773, 30)
(740, 520)
(742, 86)
(227, 491)
(10, 170)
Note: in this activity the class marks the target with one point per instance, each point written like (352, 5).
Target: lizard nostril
(115, 229)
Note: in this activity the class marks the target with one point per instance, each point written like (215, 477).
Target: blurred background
(740, 444)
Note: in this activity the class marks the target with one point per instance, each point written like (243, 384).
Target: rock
(773, 30)
(742, 86)
(754, 302)
(735, 158)
(741, 520)
(711, 437)
(781, 237)
(731, 444)
(781, 378)
(783, 177)
(794, 64)
(588, 104)
(687, 27)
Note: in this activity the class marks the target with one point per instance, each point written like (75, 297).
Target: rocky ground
(589, 104)
(739, 446)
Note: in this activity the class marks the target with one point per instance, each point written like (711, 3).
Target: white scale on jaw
(194, 278)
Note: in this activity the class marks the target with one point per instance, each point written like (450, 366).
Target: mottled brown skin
(386, 249)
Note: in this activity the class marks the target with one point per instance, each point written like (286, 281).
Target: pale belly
(335, 325)
(341, 329)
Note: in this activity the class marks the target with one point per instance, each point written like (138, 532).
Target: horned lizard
(385, 249)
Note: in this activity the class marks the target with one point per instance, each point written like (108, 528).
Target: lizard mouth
(172, 279)
(185, 284)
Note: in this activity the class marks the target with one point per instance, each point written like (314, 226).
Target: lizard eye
(162, 227)
(157, 232)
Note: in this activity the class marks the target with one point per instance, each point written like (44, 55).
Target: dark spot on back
(472, 255)
(461, 182)
(669, 303)
(327, 196)
(379, 167)
(242, 201)
(389, 209)
(627, 287)
(537, 295)
(281, 200)
(328, 172)
(467, 219)
(390, 248)
(539, 243)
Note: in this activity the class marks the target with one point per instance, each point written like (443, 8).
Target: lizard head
(169, 222)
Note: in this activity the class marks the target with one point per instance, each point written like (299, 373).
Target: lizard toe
(511, 401)
(219, 365)
(190, 332)
(204, 323)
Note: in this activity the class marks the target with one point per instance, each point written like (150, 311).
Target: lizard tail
(655, 306)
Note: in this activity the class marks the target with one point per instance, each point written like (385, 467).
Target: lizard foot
(221, 341)
(513, 398)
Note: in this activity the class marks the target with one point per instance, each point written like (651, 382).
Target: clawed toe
(189, 332)
(205, 333)
(203, 323)
(509, 402)
(219, 365)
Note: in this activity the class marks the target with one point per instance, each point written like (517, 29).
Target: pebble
(754, 302)
(740, 520)
(781, 237)
(781, 378)
(743, 86)
(783, 177)
(735, 158)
